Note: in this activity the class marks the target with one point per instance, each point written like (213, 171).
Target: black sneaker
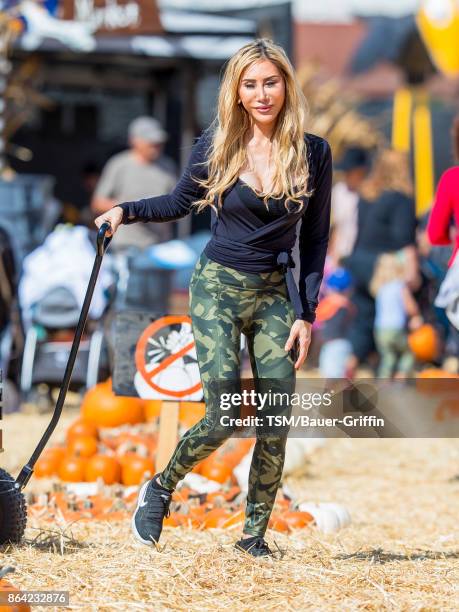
(152, 508)
(256, 546)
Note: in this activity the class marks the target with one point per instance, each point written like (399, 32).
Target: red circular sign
(140, 351)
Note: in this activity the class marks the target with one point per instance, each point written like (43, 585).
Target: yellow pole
(423, 153)
(401, 120)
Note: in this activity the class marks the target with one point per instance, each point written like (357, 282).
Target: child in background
(396, 313)
(334, 313)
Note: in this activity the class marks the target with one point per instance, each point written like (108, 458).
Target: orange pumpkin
(55, 452)
(175, 519)
(192, 522)
(83, 446)
(297, 519)
(197, 468)
(191, 412)
(103, 408)
(195, 517)
(235, 519)
(48, 463)
(241, 447)
(215, 469)
(45, 467)
(215, 518)
(134, 469)
(5, 585)
(234, 458)
(230, 453)
(82, 428)
(105, 467)
(152, 409)
(72, 469)
(278, 523)
(424, 343)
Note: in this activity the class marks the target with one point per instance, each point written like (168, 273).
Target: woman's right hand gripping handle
(114, 216)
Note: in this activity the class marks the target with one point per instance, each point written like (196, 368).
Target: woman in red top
(446, 204)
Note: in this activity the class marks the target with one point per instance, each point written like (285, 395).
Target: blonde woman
(262, 176)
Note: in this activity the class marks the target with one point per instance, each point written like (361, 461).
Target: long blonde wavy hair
(227, 152)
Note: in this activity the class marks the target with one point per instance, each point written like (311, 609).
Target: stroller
(47, 348)
(28, 212)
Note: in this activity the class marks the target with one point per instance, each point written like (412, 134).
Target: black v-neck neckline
(252, 189)
(259, 224)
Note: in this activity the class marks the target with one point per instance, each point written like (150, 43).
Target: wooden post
(168, 431)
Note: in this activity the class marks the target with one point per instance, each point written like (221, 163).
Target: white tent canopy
(184, 21)
(308, 10)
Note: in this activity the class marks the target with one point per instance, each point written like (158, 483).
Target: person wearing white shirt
(345, 198)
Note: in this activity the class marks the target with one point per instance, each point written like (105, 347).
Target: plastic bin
(148, 287)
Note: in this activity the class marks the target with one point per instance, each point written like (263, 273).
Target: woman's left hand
(301, 332)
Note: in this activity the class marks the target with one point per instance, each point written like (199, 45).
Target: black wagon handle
(102, 243)
(102, 239)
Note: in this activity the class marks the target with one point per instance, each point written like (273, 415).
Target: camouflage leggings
(224, 303)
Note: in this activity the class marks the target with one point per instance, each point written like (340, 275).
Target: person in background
(334, 313)
(442, 227)
(433, 264)
(444, 216)
(354, 167)
(135, 174)
(396, 311)
(386, 223)
(90, 176)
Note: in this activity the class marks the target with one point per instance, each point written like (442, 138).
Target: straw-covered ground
(401, 551)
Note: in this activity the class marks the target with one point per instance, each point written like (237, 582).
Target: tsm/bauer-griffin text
(302, 420)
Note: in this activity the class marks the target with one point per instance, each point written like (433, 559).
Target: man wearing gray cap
(135, 174)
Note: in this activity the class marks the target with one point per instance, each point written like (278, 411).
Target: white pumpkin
(295, 457)
(342, 513)
(328, 517)
(297, 450)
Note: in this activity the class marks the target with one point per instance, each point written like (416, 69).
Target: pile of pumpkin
(223, 509)
(110, 444)
(109, 441)
(189, 509)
